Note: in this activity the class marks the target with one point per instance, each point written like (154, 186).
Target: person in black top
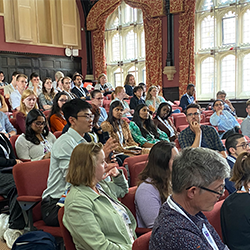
(79, 91)
(137, 98)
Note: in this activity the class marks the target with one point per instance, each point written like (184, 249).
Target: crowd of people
(172, 190)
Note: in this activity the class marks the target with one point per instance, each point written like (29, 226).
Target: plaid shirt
(210, 137)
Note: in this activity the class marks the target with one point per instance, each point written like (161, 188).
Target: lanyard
(231, 159)
(82, 91)
(6, 153)
(171, 130)
(205, 231)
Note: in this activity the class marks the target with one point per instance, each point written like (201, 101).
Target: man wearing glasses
(197, 184)
(235, 144)
(196, 135)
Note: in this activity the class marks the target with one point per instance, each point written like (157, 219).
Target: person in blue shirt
(188, 98)
(227, 104)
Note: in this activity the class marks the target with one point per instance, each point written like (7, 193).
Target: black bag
(38, 240)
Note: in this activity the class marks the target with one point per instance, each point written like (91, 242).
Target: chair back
(67, 238)
(135, 170)
(142, 243)
(13, 139)
(57, 134)
(15, 125)
(129, 200)
(134, 159)
(31, 180)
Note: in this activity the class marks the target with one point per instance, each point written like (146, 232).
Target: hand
(47, 156)
(195, 126)
(111, 170)
(18, 161)
(7, 135)
(228, 102)
(219, 112)
(132, 111)
(109, 146)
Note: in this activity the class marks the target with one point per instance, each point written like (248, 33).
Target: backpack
(38, 240)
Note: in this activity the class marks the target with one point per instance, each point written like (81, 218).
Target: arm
(136, 134)
(126, 130)
(15, 101)
(56, 123)
(132, 103)
(195, 127)
(8, 126)
(22, 148)
(163, 135)
(43, 102)
(215, 118)
(183, 102)
(4, 105)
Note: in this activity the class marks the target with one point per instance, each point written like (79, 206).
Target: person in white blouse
(37, 141)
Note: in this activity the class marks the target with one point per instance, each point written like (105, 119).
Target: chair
(31, 180)
(177, 102)
(134, 159)
(106, 104)
(134, 171)
(57, 134)
(214, 217)
(13, 139)
(142, 243)
(68, 241)
(46, 112)
(177, 144)
(180, 120)
(14, 123)
(182, 127)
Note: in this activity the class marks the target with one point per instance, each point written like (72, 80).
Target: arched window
(125, 44)
(222, 48)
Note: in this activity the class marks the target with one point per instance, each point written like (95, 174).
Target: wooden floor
(3, 246)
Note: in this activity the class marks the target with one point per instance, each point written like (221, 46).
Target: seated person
(129, 84)
(56, 117)
(66, 85)
(143, 129)
(12, 224)
(188, 98)
(35, 83)
(93, 215)
(59, 87)
(3, 105)
(5, 126)
(245, 125)
(47, 95)
(97, 99)
(224, 120)
(235, 145)
(119, 130)
(15, 97)
(28, 102)
(143, 85)
(78, 114)
(79, 91)
(8, 89)
(104, 86)
(197, 184)
(119, 95)
(235, 214)
(227, 104)
(196, 135)
(164, 123)
(137, 98)
(154, 185)
(37, 141)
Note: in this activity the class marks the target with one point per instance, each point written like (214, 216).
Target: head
(102, 79)
(193, 113)
(197, 169)
(66, 83)
(78, 114)
(218, 105)
(141, 112)
(59, 83)
(14, 75)
(248, 107)
(96, 113)
(21, 82)
(87, 165)
(34, 78)
(138, 91)
(130, 80)
(115, 112)
(190, 89)
(47, 85)
(221, 95)
(143, 85)
(58, 75)
(120, 92)
(152, 92)
(97, 98)
(77, 79)
(28, 101)
(1, 76)
(164, 110)
(236, 144)
(159, 167)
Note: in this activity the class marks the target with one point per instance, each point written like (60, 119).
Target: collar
(75, 135)
(231, 158)
(248, 116)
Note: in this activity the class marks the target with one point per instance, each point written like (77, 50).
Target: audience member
(5, 126)
(235, 213)
(129, 84)
(93, 215)
(137, 98)
(143, 129)
(3, 105)
(66, 84)
(11, 225)
(197, 184)
(35, 84)
(104, 86)
(2, 80)
(8, 89)
(153, 100)
(79, 91)
(154, 185)
(227, 104)
(224, 120)
(58, 75)
(119, 95)
(47, 95)
(59, 87)
(15, 97)
(28, 102)
(143, 85)
(97, 99)
(37, 141)
(235, 145)
(196, 135)
(188, 98)
(245, 125)
(164, 123)
(56, 117)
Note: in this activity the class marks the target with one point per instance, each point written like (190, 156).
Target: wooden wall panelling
(1, 7)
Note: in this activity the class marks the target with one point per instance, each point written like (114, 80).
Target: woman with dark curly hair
(37, 141)
(143, 129)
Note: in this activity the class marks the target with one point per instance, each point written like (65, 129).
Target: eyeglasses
(40, 124)
(243, 145)
(193, 114)
(62, 100)
(220, 193)
(218, 105)
(88, 117)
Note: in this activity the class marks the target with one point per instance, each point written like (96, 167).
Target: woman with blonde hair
(153, 100)
(28, 102)
(235, 214)
(47, 95)
(92, 213)
(129, 84)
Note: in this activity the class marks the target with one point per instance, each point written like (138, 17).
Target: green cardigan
(92, 220)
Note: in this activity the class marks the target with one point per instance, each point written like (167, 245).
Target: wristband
(9, 135)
